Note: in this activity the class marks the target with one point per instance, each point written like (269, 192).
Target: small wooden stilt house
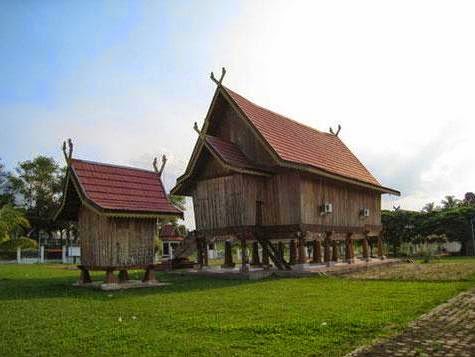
(116, 210)
(258, 177)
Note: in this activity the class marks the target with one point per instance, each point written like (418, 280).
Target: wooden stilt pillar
(199, 252)
(149, 276)
(123, 276)
(280, 249)
(335, 250)
(255, 261)
(244, 256)
(84, 277)
(317, 252)
(205, 252)
(349, 248)
(380, 248)
(292, 252)
(365, 247)
(327, 249)
(265, 256)
(110, 277)
(228, 255)
(302, 259)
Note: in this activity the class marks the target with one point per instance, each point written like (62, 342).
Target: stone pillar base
(330, 264)
(350, 261)
(245, 268)
(123, 276)
(298, 267)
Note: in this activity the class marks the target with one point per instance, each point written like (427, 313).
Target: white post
(63, 256)
(18, 255)
(170, 248)
(42, 254)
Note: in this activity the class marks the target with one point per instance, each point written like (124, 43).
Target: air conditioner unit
(326, 208)
(365, 212)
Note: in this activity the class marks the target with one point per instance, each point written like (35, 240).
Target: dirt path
(448, 330)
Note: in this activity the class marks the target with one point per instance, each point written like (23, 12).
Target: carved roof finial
(69, 153)
(155, 166)
(195, 127)
(337, 132)
(218, 83)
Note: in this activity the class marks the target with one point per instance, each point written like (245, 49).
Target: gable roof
(113, 190)
(291, 144)
(169, 233)
(300, 144)
(229, 152)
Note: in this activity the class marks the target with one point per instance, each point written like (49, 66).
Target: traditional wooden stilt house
(116, 210)
(171, 240)
(258, 177)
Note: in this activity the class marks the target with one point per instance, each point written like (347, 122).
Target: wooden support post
(380, 248)
(244, 256)
(349, 249)
(205, 252)
(199, 252)
(327, 249)
(265, 256)
(365, 247)
(149, 276)
(123, 276)
(85, 277)
(302, 250)
(335, 246)
(292, 252)
(280, 249)
(317, 252)
(110, 277)
(255, 261)
(228, 255)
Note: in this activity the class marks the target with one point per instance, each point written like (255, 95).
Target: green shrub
(22, 242)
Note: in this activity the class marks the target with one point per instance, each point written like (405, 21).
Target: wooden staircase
(274, 255)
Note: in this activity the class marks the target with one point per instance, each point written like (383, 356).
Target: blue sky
(126, 80)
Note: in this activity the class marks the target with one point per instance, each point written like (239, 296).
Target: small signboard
(74, 251)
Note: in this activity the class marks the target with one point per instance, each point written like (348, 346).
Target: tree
(429, 207)
(39, 183)
(450, 202)
(179, 202)
(469, 199)
(6, 194)
(11, 220)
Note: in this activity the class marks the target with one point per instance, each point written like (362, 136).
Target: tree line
(452, 220)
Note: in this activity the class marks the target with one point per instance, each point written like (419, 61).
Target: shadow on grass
(58, 287)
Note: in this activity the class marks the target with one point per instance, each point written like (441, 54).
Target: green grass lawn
(42, 314)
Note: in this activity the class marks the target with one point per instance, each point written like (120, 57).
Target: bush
(11, 245)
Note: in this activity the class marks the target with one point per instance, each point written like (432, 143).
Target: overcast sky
(126, 81)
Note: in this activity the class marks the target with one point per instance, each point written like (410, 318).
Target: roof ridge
(114, 166)
(278, 114)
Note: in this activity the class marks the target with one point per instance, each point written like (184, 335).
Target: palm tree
(11, 219)
(429, 207)
(450, 202)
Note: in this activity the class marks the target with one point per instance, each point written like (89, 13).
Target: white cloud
(399, 77)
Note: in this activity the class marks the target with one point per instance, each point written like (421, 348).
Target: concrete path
(448, 330)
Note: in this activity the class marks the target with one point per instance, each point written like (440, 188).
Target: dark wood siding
(111, 241)
(347, 202)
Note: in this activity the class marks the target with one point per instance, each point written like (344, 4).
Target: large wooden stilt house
(258, 177)
(116, 210)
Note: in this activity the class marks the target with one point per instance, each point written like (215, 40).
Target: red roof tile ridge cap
(280, 115)
(115, 166)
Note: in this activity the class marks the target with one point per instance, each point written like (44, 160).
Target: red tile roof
(301, 144)
(229, 152)
(169, 233)
(121, 188)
